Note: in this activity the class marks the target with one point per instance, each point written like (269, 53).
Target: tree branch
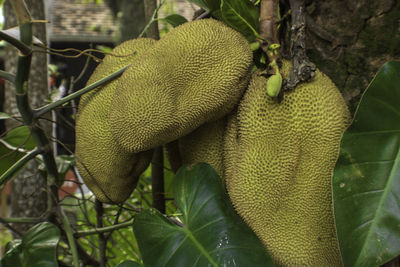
(302, 69)
(105, 229)
(40, 111)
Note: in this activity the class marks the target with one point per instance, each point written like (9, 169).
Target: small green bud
(274, 85)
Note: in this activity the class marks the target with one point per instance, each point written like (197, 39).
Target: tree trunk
(130, 14)
(28, 197)
(351, 40)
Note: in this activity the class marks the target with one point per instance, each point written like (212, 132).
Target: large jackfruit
(205, 144)
(195, 74)
(108, 170)
(280, 178)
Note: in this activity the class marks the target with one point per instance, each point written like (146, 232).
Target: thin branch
(102, 239)
(7, 225)
(40, 111)
(23, 48)
(21, 220)
(7, 175)
(151, 9)
(7, 76)
(86, 258)
(106, 229)
(70, 237)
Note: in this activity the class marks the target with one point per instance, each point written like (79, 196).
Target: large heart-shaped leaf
(366, 181)
(211, 234)
(36, 249)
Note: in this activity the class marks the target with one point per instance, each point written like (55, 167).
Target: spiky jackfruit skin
(205, 144)
(108, 170)
(281, 179)
(195, 74)
(230, 145)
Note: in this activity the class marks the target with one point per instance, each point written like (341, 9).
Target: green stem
(7, 76)
(150, 9)
(40, 111)
(70, 237)
(27, 114)
(23, 48)
(104, 229)
(7, 175)
(22, 220)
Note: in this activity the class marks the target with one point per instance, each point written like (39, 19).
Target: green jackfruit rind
(110, 172)
(230, 145)
(186, 79)
(205, 144)
(281, 183)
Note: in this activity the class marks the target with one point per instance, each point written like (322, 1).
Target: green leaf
(241, 15)
(36, 249)
(8, 158)
(20, 137)
(366, 182)
(4, 116)
(129, 263)
(212, 233)
(208, 5)
(174, 19)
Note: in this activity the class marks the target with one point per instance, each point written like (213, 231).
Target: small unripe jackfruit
(107, 169)
(195, 74)
(280, 180)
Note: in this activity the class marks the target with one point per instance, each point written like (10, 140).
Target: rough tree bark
(28, 197)
(350, 40)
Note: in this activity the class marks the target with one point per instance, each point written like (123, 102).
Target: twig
(7, 225)
(21, 220)
(151, 9)
(102, 239)
(105, 229)
(7, 76)
(23, 48)
(70, 237)
(86, 258)
(40, 111)
(27, 114)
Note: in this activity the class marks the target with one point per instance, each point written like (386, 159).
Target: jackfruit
(280, 178)
(195, 74)
(205, 144)
(107, 169)
(230, 145)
